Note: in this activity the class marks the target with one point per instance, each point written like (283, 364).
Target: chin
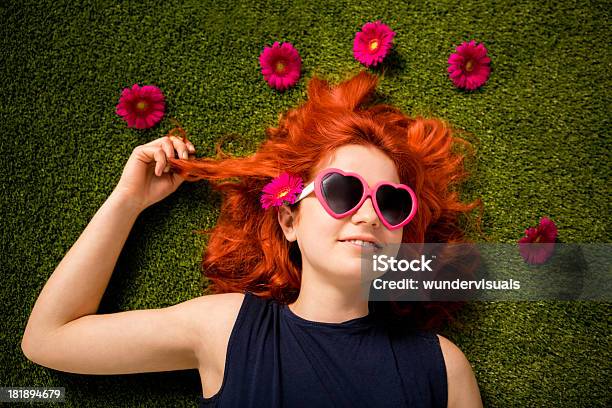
(348, 269)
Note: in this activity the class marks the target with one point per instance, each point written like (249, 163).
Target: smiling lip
(359, 246)
(362, 238)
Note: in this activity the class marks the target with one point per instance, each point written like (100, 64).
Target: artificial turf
(540, 125)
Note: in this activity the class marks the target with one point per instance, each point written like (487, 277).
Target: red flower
(141, 108)
(283, 189)
(469, 66)
(280, 65)
(538, 244)
(372, 43)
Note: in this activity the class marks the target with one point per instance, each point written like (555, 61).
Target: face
(322, 238)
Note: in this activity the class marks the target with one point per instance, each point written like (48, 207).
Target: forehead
(368, 161)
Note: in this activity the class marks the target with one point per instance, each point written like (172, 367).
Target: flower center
(141, 105)
(283, 193)
(280, 67)
(373, 45)
(469, 66)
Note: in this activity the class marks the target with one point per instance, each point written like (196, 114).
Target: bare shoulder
(217, 316)
(212, 313)
(219, 302)
(462, 386)
(212, 318)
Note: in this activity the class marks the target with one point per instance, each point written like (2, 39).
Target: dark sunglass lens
(342, 193)
(395, 204)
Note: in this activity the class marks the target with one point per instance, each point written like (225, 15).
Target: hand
(146, 178)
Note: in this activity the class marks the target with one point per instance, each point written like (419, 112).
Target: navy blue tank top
(277, 359)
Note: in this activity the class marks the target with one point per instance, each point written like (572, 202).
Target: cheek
(323, 226)
(317, 225)
(395, 236)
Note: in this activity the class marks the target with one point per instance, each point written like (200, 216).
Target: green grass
(541, 121)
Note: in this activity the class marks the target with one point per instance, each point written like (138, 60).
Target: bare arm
(63, 331)
(76, 286)
(462, 386)
(172, 338)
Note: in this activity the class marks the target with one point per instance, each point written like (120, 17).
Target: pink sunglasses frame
(367, 192)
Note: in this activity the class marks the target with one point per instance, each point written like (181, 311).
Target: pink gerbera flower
(280, 65)
(284, 189)
(372, 43)
(538, 244)
(141, 107)
(469, 66)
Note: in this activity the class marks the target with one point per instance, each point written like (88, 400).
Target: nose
(366, 213)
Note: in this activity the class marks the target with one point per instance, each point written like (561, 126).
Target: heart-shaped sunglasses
(342, 193)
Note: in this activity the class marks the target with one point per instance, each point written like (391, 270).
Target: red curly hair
(247, 249)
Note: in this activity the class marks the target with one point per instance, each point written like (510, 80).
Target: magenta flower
(469, 66)
(284, 189)
(280, 65)
(141, 107)
(372, 43)
(538, 244)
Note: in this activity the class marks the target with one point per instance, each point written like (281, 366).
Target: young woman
(286, 325)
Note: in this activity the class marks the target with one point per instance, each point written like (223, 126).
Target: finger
(156, 142)
(183, 141)
(180, 146)
(168, 147)
(160, 161)
(191, 147)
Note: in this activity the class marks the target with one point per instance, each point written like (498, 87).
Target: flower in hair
(544, 233)
(469, 66)
(372, 43)
(142, 107)
(280, 65)
(284, 189)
